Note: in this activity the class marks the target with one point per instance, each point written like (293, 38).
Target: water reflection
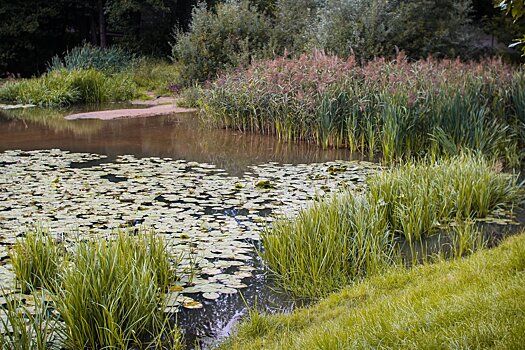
(177, 136)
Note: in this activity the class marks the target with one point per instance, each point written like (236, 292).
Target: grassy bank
(90, 74)
(476, 302)
(394, 108)
(338, 240)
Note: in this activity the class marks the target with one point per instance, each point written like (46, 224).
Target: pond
(207, 192)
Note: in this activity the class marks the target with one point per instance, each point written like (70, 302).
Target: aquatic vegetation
(380, 107)
(66, 87)
(24, 328)
(474, 302)
(338, 240)
(328, 245)
(36, 260)
(110, 296)
(207, 217)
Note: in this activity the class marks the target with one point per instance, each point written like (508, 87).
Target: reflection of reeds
(387, 107)
(348, 236)
(54, 120)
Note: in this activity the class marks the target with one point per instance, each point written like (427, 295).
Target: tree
(515, 8)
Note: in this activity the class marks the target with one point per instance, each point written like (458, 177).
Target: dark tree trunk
(102, 24)
(93, 29)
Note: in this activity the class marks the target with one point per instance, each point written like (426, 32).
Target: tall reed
(395, 108)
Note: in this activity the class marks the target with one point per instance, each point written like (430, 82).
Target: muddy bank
(131, 113)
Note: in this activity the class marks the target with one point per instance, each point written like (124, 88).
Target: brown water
(176, 136)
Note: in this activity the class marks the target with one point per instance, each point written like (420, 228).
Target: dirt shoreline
(156, 110)
(156, 106)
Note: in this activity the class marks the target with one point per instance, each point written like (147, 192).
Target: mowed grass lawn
(476, 302)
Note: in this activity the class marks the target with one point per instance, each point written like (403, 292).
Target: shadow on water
(177, 136)
(204, 328)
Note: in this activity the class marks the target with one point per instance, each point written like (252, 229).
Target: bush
(229, 35)
(375, 28)
(108, 60)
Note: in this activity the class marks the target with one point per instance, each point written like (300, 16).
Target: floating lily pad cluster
(207, 217)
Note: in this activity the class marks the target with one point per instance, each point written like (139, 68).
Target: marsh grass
(338, 240)
(65, 87)
(470, 303)
(328, 245)
(24, 329)
(393, 108)
(37, 260)
(110, 295)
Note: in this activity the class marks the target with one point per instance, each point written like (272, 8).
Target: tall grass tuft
(110, 295)
(349, 236)
(22, 329)
(396, 108)
(109, 60)
(36, 260)
(328, 245)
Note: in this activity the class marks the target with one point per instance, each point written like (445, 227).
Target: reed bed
(349, 236)
(394, 108)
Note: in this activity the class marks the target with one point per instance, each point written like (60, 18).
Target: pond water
(207, 192)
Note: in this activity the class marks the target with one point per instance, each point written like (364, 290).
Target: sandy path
(131, 113)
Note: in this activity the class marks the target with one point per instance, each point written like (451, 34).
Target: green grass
(28, 329)
(471, 303)
(66, 87)
(36, 260)
(350, 236)
(110, 296)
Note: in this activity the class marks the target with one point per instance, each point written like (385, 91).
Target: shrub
(108, 60)
(229, 35)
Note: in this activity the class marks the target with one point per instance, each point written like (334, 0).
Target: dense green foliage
(349, 236)
(472, 303)
(230, 35)
(33, 31)
(65, 87)
(234, 32)
(109, 294)
(395, 108)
